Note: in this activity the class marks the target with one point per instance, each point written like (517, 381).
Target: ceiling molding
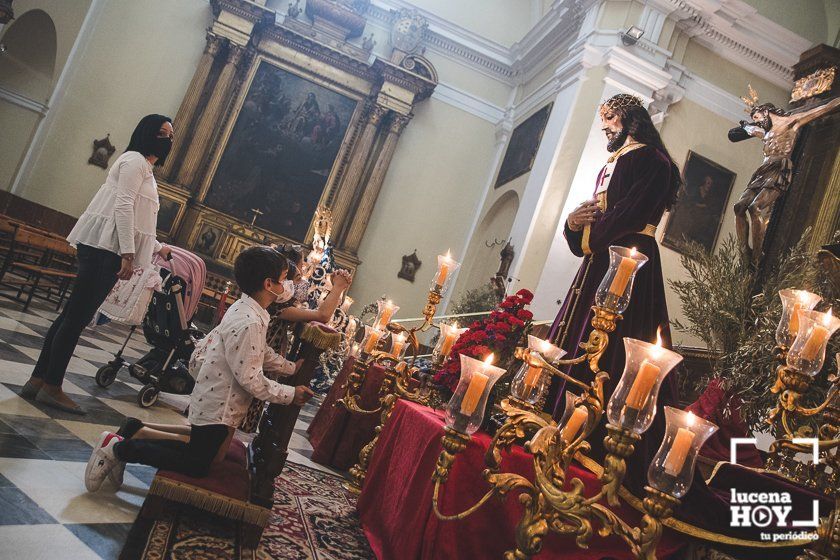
(23, 101)
(737, 32)
(468, 102)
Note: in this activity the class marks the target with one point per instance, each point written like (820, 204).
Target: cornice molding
(736, 31)
(730, 28)
(468, 102)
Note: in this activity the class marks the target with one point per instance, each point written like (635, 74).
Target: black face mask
(161, 148)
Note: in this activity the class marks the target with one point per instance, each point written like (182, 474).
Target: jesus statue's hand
(583, 215)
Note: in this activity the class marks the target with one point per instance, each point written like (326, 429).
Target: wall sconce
(631, 36)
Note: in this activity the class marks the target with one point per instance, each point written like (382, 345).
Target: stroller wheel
(106, 375)
(148, 395)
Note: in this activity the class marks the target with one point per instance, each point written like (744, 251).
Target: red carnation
(524, 314)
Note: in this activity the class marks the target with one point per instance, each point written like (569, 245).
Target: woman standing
(112, 237)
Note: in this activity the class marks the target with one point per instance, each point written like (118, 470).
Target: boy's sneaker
(101, 461)
(115, 477)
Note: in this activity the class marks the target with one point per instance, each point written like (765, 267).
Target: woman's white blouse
(122, 217)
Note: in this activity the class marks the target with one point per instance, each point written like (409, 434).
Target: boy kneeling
(228, 365)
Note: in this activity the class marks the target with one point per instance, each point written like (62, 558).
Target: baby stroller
(167, 328)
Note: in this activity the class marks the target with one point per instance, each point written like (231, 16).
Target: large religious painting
(698, 213)
(522, 148)
(280, 152)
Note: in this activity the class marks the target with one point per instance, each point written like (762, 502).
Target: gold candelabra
(397, 372)
(802, 337)
(552, 502)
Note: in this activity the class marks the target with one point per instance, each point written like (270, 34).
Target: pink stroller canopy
(193, 271)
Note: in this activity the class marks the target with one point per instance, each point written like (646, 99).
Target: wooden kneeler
(241, 487)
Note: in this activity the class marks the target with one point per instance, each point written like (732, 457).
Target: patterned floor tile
(106, 539)
(44, 542)
(16, 508)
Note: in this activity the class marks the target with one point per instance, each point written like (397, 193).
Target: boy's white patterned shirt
(228, 367)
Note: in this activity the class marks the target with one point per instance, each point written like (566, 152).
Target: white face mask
(286, 294)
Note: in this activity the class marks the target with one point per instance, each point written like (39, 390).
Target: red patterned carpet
(313, 519)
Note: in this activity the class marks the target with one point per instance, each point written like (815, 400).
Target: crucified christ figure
(778, 129)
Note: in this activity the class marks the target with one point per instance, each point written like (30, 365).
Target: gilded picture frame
(698, 214)
(332, 182)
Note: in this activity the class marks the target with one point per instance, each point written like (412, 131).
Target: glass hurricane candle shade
(792, 302)
(530, 381)
(371, 339)
(398, 345)
(465, 411)
(633, 403)
(615, 289)
(573, 420)
(449, 335)
(807, 353)
(386, 310)
(447, 267)
(672, 467)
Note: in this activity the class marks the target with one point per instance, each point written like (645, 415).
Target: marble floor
(45, 511)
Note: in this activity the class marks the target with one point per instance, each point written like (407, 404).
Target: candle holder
(385, 310)
(449, 335)
(465, 411)
(447, 267)
(551, 502)
(398, 374)
(530, 382)
(792, 302)
(366, 351)
(632, 405)
(672, 468)
(614, 291)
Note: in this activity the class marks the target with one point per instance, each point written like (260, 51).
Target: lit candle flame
(689, 420)
(488, 361)
(449, 254)
(455, 325)
(827, 318)
(545, 346)
(400, 337)
(633, 252)
(659, 337)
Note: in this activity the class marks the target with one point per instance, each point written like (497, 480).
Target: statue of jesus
(778, 129)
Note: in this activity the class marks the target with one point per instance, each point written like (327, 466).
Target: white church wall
(126, 72)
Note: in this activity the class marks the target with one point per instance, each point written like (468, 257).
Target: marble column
(358, 162)
(208, 123)
(186, 113)
(374, 183)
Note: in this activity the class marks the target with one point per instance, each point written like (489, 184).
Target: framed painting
(280, 151)
(167, 214)
(523, 145)
(208, 239)
(698, 213)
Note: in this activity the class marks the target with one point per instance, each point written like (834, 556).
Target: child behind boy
(228, 365)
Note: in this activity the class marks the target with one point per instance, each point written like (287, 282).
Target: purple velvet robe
(638, 195)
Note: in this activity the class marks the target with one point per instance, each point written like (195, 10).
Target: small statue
(505, 260)
(778, 129)
(368, 43)
(102, 152)
(294, 9)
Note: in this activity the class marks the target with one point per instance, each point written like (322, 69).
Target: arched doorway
(483, 261)
(27, 73)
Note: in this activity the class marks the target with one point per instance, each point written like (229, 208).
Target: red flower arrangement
(499, 333)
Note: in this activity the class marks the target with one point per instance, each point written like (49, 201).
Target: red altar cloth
(396, 502)
(336, 435)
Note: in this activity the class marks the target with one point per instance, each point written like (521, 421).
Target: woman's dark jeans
(95, 278)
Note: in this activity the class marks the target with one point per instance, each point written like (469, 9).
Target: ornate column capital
(398, 123)
(214, 44)
(235, 54)
(375, 114)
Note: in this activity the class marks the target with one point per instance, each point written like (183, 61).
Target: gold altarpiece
(247, 42)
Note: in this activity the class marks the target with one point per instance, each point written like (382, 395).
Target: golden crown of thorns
(752, 100)
(620, 103)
